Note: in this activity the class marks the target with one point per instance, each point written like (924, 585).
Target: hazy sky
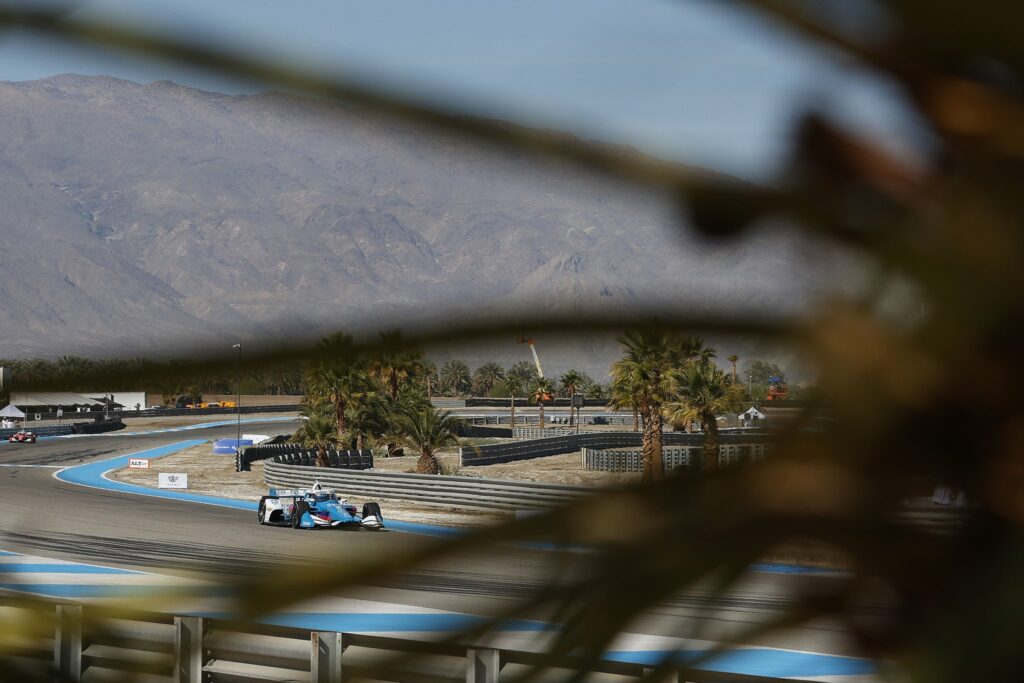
(687, 79)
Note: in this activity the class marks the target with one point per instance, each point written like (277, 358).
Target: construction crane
(526, 340)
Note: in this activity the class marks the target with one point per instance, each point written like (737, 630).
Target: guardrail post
(483, 665)
(188, 650)
(67, 642)
(325, 656)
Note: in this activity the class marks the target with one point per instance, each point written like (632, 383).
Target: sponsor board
(172, 480)
(138, 463)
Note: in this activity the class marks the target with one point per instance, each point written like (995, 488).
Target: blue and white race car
(315, 507)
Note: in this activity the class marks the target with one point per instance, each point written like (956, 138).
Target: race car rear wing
(296, 493)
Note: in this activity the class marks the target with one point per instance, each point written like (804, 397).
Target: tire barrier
(433, 489)
(560, 445)
(302, 456)
(98, 427)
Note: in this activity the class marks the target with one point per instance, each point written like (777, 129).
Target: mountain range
(151, 218)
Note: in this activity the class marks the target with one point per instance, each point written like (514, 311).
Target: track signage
(138, 463)
(172, 480)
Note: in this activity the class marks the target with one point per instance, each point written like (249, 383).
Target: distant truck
(184, 402)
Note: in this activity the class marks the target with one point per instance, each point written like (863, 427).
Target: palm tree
(340, 378)
(644, 374)
(512, 387)
(524, 373)
(318, 428)
(704, 391)
(395, 362)
(426, 431)
(732, 358)
(72, 371)
(571, 382)
(455, 378)
(623, 397)
(542, 390)
(487, 377)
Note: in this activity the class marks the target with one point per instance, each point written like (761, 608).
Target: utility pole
(238, 401)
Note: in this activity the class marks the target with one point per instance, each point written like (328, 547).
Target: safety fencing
(552, 419)
(448, 491)
(572, 443)
(560, 402)
(673, 457)
(101, 644)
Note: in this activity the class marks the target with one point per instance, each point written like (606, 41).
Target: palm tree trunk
(541, 404)
(572, 394)
(654, 467)
(636, 419)
(427, 463)
(709, 452)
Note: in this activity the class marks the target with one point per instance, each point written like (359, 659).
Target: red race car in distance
(23, 437)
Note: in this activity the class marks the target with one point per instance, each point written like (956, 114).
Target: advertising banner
(175, 480)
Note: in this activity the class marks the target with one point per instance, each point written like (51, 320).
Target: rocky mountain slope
(151, 218)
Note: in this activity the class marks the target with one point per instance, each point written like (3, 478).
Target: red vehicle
(23, 437)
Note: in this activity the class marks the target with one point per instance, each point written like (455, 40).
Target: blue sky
(687, 79)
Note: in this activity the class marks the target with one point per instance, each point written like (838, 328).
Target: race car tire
(261, 512)
(301, 507)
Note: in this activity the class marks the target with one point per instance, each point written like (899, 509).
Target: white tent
(751, 417)
(12, 411)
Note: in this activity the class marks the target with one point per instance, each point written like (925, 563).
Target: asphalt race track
(46, 517)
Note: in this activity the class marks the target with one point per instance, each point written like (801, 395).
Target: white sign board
(138, 463)
(172, 481)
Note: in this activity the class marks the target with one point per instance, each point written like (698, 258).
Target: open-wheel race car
(22, 436)
(314, 508)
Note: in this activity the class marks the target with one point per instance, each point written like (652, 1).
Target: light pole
(238, 401)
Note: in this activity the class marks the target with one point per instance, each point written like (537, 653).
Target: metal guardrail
(489, 494)
(89, 645)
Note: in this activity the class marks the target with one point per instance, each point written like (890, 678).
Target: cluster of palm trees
(172, 379)
(665, 377)
(521, 379)
(359, 397)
